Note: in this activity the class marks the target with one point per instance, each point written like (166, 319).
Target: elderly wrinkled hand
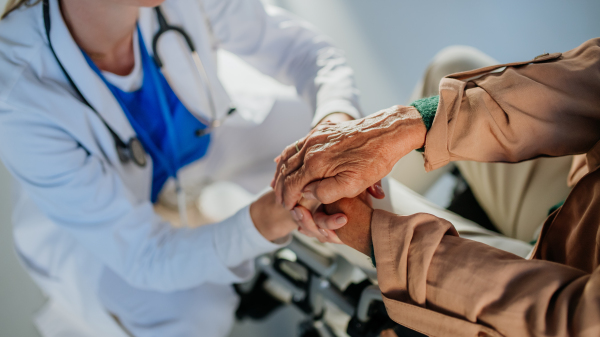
(309, 215)
(342, 160)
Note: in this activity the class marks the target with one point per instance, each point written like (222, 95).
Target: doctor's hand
(273, 222)
(357, 232)
(313, 221)
(342, 160)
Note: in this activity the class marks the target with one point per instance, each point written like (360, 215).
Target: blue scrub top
(168, 136)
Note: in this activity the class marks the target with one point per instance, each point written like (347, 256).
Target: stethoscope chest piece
(138, 154)
(134, 151)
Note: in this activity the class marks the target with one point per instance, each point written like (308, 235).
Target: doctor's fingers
(308, 227)
(331, 222)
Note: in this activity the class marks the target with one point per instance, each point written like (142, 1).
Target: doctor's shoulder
(30, 79)
(22, 47)
(32, 88)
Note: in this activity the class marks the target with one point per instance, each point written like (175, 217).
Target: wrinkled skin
(309, 213)
(342, 160)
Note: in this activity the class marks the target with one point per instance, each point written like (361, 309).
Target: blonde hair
(11, 5)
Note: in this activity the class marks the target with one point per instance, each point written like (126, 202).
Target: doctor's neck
(104, 30)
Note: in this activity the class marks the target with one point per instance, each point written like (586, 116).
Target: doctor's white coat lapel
(87, 81)
(178, 65)
(95, 91)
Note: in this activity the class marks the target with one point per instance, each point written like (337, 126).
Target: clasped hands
(328, 183)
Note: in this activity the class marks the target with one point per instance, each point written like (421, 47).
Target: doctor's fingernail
(308, 195)
(379, 190)
(340, 220)
(323, 232)
(297, 214)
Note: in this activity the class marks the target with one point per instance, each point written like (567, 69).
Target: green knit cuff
(427, 107)
(373, 256)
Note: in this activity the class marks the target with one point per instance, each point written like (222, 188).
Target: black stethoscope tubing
(132, 150)
(164, 27)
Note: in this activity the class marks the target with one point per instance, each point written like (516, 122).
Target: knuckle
(312, 227)
(323, 223)
(323, 195)
(318, 192)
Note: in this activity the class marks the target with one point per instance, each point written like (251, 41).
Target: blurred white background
(389, 43)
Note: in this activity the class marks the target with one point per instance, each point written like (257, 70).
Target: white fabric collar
(132, 81)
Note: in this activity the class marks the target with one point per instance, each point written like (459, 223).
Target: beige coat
(434, 281)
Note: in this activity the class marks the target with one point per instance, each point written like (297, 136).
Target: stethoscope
(164, 27)
(133, 150)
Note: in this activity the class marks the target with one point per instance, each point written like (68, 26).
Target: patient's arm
(423, 266)
(357, 232)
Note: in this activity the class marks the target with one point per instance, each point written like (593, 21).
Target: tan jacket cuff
(437, 143)
(393, 236)
(403, 282)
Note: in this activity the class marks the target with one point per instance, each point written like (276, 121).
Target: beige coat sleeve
(442, 285)
(544, 107)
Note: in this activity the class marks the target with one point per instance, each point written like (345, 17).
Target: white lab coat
(77, 208)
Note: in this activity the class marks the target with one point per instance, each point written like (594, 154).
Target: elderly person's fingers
(283, 165)
(292, 157)
(308, 227)
(288, 173)
(292, 161)
(293, 164)
(276, 160)
(326, 191)
(330, 222)
(376, 190)
(287, 197)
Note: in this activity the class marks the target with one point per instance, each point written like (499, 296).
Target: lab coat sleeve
(237, 238)
(287, 49)
(83, 194)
